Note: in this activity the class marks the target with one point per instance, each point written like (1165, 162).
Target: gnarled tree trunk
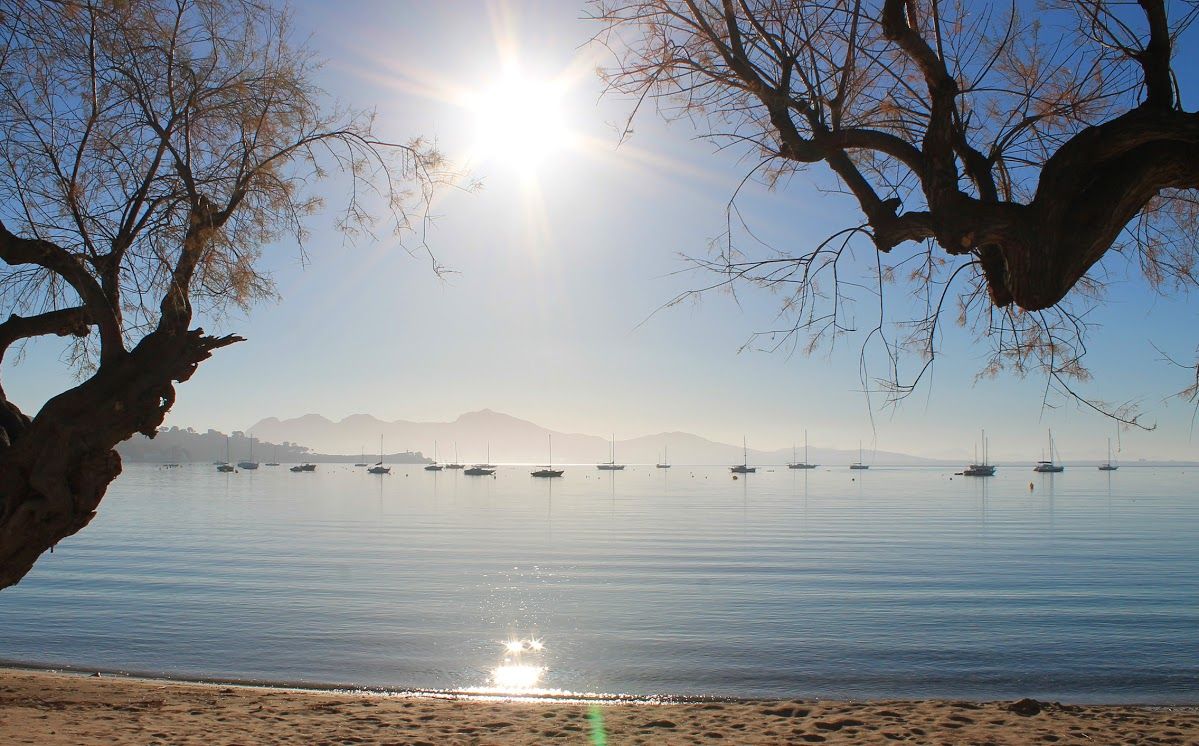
(59, 465)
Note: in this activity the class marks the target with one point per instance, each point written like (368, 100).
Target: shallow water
(884, 583)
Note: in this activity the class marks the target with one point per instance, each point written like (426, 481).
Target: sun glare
(519, 120)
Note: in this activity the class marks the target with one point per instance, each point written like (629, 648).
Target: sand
(58, 708)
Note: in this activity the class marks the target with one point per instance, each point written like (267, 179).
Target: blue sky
(555, 275)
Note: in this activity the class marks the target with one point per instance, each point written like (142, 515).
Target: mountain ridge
(486, 434)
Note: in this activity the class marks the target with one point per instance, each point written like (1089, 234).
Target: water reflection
(522, 668)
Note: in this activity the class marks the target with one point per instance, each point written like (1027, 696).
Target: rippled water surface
(886, 583)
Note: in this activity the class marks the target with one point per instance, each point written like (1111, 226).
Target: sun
(520, 120)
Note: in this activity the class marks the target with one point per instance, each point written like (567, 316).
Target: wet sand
(58, 708)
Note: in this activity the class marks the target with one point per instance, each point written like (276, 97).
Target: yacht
(488, 464)
(434, 466)
(980, 470)
(304, 467)
(805, 464)
(1108, 465)
(743, 467)
(224, 466)
(610, 464)
(479, 470)
(858, 464)
(548, 471)
(455, 465)
(665, 463)
(379, 468)
(1049, 467)
(250, 463)
(362, 458)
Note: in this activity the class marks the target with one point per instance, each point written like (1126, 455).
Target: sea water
(904, 582)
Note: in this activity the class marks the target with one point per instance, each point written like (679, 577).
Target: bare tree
(151, 149)
(996, 159)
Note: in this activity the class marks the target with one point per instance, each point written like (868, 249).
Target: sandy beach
(58, 708)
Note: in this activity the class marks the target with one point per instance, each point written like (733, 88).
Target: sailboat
(1108, 466)
(549, 470)
(362, 458)
(379, 468)
(665, 463)
(455, 465)
(980, 470)
(743, 467)
(434, 466)
(482, 470)
(251, 463)
(804, 464)
(1048, 467)
(226, 466)
(610, 464)
(487, 465)
(276, 461)
(859, 464)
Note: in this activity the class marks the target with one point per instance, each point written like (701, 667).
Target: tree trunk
(56, 471)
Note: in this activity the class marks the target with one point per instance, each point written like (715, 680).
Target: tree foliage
(996, 156)
(151, 150)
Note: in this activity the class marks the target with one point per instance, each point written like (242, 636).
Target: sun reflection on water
(516, 677)
(521, 670)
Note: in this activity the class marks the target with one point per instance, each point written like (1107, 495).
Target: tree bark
(55, 472)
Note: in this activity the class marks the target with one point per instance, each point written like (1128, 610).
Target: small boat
(479, 471)
(1108, 466)
(362, 458)
(249, 463)
(304, 467)
(276, 461)
(859, 464)
(980, 470)
(665, 464)
(610, 464)
(488, 464)
(801, 464)
(1048, 467)
(548, 471)
(743, 467)
(224, 466)
(379, 468)
(434, 465)
(456, 464)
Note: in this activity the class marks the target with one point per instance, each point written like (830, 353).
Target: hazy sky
(562, 259)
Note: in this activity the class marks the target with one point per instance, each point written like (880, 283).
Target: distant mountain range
(513, 440)
(184, 445)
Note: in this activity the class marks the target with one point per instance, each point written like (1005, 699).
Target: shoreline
(54, 707)
(541, 695)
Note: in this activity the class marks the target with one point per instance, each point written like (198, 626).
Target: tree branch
(1155, 57)
(16, 250)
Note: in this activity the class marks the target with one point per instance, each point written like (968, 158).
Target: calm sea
(885, 583)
